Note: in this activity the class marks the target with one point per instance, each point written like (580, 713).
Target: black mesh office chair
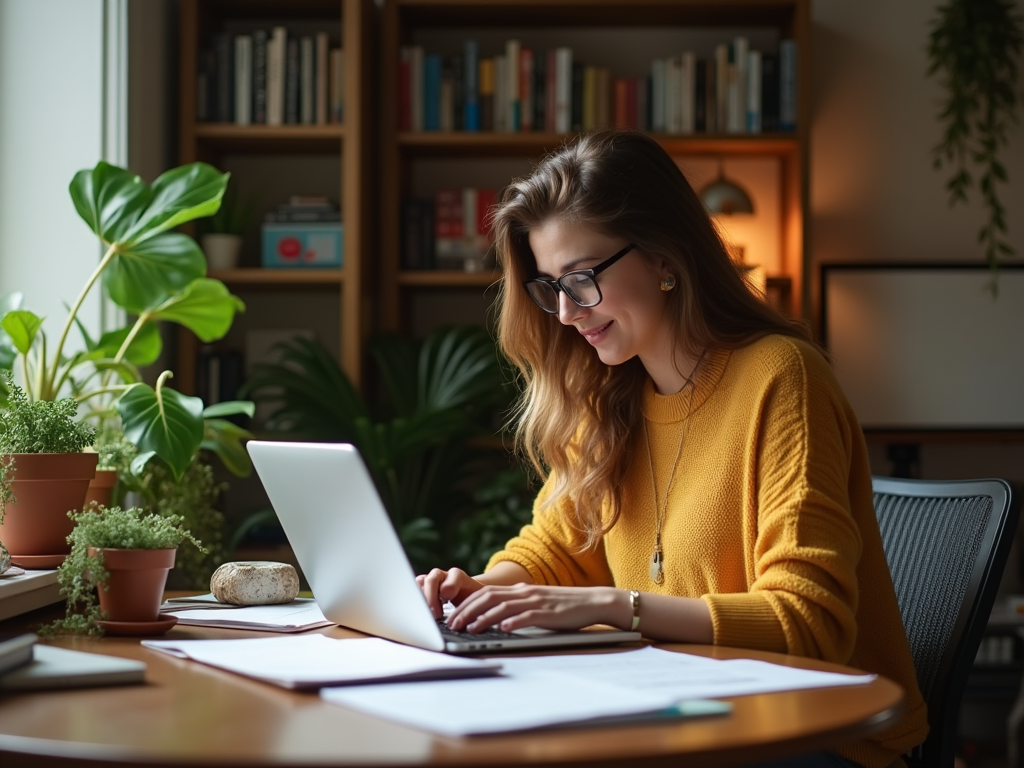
(946, 543)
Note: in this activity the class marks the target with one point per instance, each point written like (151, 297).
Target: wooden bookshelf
(275, 162)
(404, 153)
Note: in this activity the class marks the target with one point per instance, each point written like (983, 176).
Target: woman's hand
(528, 605)
(441, 586)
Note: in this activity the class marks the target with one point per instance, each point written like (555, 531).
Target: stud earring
(668, 282)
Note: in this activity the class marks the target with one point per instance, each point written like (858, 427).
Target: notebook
(350, 554)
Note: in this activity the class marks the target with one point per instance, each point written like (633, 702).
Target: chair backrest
(946, 543)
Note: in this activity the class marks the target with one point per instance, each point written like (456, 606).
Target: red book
(404, 95)
(620, 101)
(447, 224)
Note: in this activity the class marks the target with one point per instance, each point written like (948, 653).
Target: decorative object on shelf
(43, 474)
(222, 232)
(155, 275)
(724, 196)
(305, 232)
(115, 574)
(255, 582)
(974, 47)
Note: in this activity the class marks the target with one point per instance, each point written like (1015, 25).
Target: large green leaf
(226, 440)
(205, 307)
(230, 408)
(109, 199)
(8, 353)
(179, 195)
(145, 347)
(143, 276)
(166, 422)
(22, 327)
(458, 367)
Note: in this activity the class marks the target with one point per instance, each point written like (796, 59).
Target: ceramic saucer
(138, 628)
(37, 562)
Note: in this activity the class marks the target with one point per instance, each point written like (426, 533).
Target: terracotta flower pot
(46, 487)
(101, 487)
(135, 586)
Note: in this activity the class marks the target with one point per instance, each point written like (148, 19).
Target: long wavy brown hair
(578, 419)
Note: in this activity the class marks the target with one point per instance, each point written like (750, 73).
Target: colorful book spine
(446, 108)
(276, 49)
(540, 70)
(337, 84)
(323, 48)
(458, 62)
(787, 85)
(563, 90)
(526, 86)
(471, 93)
(416, 86)
(753, 92)
(486, 94)
(432, 92)
(513, 117)
(307, 81)
(243, 80)
(259, 76)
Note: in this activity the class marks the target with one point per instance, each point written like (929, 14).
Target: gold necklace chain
(657, 565)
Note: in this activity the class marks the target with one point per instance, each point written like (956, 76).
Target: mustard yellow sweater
(770, 521)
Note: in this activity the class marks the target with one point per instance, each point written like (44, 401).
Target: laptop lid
(353, 560)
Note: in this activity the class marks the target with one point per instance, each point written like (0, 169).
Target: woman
(706, 479)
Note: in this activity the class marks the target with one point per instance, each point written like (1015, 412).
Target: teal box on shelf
(314, 245)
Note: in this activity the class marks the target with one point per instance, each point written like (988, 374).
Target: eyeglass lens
(581, 288)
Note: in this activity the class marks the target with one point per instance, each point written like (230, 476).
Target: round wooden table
(188, 714)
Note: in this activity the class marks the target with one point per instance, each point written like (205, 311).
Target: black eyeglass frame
(592, 273)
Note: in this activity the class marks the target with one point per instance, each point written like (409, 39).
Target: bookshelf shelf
(415, 164)
(293, 139)
(448, 279)
(258, 276)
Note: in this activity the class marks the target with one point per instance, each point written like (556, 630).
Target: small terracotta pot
(135, 586)
(46, 487)
(101, 487)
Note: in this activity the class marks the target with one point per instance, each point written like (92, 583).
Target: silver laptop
(352, 558)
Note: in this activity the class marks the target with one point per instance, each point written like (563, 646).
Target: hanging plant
(974, 46)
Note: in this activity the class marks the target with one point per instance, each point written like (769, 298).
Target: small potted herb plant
(222, 233)
(43, 474)
(114, 577)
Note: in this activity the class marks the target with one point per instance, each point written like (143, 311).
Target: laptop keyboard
(488, 634)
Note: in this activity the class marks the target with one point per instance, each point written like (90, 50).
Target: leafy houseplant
(416, 440)
(90, 578)
(152, 273)
(974, 46)
(222, 233)
(43, 472)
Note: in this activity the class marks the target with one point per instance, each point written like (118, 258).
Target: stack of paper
(205, 611)
(313, 661)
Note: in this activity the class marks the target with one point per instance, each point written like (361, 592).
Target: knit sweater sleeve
(551, 547)
(804, 591)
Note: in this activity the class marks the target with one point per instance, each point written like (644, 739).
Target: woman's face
(630, 321)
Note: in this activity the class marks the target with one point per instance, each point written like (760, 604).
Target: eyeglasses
(580, 285)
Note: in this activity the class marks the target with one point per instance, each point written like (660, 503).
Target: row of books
(738, 90)
(271, 78)
(450, 231)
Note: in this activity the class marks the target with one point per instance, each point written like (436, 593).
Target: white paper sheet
(682, 675)
(297, 616)
(520, 702)
(311, 661)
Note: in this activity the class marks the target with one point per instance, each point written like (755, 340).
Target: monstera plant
(155, 274)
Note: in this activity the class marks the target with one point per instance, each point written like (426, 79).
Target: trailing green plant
(154, 274)
(82, 573)
(414, 438)
(974, 47)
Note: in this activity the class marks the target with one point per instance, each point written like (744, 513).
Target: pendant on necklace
(657, 570)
